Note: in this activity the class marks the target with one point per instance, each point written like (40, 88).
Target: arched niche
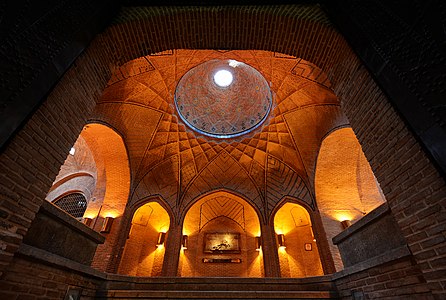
(144, 249)
(112, 162)
(297, 247)
(346, 188)
(98, 167)
(221, 218)
(78, 174)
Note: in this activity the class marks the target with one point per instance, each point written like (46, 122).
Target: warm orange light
(164, 227)
(345, 224)
(342, 215)
(312, 233)
(110, 214)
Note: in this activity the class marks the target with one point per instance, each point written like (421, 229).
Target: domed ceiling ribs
(223, 172)
(233, 107)
(139, 103)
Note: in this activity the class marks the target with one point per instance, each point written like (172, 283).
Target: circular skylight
(223, 98)
(223, 78)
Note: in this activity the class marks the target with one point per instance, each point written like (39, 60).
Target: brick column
(269, 249)
(172, 253)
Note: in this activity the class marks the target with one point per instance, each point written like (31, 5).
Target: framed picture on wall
(308, 247)
(222, 243)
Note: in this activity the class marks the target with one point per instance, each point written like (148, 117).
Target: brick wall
(32, 159)
(293, 221)
(345, 186)
(400, 165)
(414, 189)
(400, 279)
(30, 280)
(221, 212)
(141, 256)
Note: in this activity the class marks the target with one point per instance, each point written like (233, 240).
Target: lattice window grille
(75, 204)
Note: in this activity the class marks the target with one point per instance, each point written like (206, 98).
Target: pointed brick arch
(400, 165)
(345, 186)
(221, 212)
(109, 148)
(224, 172)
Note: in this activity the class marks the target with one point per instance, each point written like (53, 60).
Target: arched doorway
(222, 232)
(144, 249)
(297, 247)
(352, 82)
(98, 168)
(345, 186)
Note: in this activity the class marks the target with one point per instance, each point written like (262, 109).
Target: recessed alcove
(226, 219)
(143, 254)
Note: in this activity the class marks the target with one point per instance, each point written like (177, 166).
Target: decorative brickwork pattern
(140, 104)
(415, 190)
(221, 212)
(225, 173)
(222, 206)
(283, 181)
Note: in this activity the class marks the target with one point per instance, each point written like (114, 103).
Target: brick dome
(223, 110)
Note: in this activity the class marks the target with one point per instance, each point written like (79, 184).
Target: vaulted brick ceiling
(170, 159)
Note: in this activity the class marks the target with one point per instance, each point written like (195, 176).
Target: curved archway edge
(318, 231)
(362, 100)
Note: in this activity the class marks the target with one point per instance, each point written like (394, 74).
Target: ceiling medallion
(223, 98)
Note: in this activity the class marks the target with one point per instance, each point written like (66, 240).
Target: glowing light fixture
(107, 225)
(281, 240)
(184, 242)
(223, 78)
(161, 238)
(87, 221)
(312, 234)
(258, 243)
(345, 224)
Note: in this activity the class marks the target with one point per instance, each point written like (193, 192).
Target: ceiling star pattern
(154, 138)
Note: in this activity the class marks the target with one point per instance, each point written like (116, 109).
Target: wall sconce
(87, 221)
(312, 234)
(281, 240)
(258, 243)
(345, 224)
(161, 238)
(184, 241)
(107, 224)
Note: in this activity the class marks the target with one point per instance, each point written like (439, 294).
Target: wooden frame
(221, 243)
